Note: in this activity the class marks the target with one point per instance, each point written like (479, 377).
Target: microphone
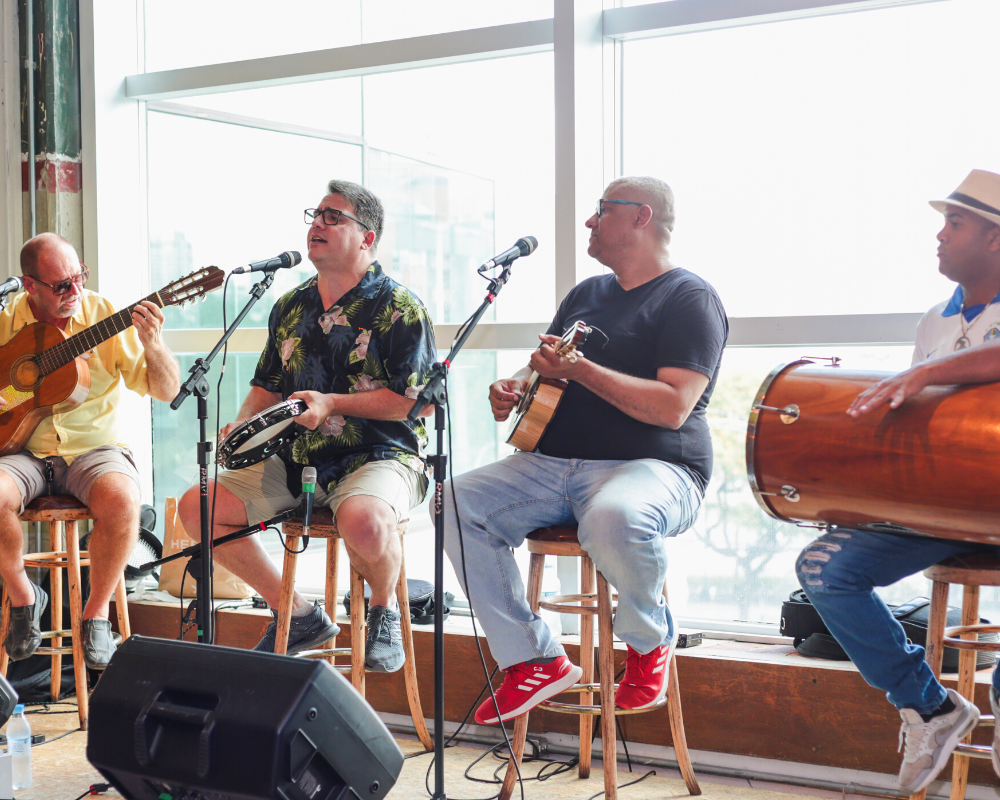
(523, 247)
(287, 259)
(11, 285)
(308, 489)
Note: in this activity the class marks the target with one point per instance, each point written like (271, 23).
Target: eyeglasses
(63, 287)
(331, 216)
(601, 209)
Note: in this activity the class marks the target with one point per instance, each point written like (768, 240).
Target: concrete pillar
(53, 46)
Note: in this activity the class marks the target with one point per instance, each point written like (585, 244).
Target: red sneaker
(525, 686)
(646, 676)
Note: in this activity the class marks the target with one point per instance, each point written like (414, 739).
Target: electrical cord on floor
(97, 788)
(44, 710)
(57, 738)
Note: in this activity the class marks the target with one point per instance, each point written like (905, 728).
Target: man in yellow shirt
(80, 452)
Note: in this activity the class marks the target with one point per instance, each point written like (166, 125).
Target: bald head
(654, 193)
(44, 243)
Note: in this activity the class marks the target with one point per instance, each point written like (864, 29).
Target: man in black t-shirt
(626, 457)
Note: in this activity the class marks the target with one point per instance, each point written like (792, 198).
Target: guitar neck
(89, 338)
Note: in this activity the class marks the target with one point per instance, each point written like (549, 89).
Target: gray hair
(657, 195)
(367, 207)
(34, 247)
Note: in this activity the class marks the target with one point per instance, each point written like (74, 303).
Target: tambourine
(262, 435)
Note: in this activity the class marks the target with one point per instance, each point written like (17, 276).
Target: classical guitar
(41, 373)
(542, 396)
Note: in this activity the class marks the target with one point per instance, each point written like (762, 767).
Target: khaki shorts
(264, 492)
(28, 472)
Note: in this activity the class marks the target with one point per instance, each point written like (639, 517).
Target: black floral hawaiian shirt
(377, 335)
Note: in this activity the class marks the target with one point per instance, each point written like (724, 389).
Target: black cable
(97, 788)
(623, 785)
(468, 595)
(218, 420)
(56, 738)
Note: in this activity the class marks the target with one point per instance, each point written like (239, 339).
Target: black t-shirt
(674, 320)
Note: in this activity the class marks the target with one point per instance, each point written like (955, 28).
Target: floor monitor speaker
(181, 721)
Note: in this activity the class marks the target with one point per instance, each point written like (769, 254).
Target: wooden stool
(325, 527)
(971, 572)
(62, 512)
(562, 540)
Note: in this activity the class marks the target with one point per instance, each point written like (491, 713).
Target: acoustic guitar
(542, 396)
(41, 372)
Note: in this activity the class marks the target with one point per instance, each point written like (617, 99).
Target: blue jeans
(839, 571)
(623, 510)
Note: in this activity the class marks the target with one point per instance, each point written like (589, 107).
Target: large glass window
(188, 33)
(803, 153)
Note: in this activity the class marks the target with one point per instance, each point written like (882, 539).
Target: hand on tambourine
(550, 364)
(892, 390)
(504, 396)
(320, 406)
(227, 429)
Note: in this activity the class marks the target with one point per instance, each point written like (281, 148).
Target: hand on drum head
(892, 390)
(320, 406)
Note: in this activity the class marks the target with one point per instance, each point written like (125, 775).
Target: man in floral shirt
(356, 347)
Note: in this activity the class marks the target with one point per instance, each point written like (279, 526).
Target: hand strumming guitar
(505, 393)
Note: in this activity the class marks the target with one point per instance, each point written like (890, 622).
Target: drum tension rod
(789, 413)
(790, 493)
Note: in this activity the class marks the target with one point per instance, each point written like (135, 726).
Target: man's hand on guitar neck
(550, 364)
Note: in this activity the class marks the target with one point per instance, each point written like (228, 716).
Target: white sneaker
(929, 744)
(996, 731)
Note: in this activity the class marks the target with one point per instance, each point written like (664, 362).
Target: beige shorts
(28, 472)
(264, 492)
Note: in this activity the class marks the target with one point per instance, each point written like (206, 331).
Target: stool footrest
(54, 651)
(563, 603)
(329, 653)
(974, 750)
(591, 710)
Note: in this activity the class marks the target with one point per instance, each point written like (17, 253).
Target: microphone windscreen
(527, 245)
(294, 257)
(309, 475)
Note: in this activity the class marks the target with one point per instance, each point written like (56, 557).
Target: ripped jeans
(839, 571)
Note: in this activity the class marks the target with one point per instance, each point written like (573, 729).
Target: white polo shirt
(941, 328)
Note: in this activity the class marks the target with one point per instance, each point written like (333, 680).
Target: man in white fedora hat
(840, 570)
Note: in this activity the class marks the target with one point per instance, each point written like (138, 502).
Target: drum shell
(929, 467)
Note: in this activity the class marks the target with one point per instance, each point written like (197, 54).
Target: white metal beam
(686, 16)
(834, 329)
(500, 41)
(579, 134)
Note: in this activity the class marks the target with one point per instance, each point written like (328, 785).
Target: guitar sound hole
(25, 376)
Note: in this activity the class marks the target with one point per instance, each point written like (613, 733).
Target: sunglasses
(59, 289)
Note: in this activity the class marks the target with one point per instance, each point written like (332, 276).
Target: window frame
(585, 37)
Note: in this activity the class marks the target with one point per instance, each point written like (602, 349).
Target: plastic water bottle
(550, 588)
(19, 747)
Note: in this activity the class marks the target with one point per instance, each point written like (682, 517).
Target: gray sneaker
(98, 643)
(384, 644)
(995, 708)
(929, 744)
(25, 633)
(304, 632)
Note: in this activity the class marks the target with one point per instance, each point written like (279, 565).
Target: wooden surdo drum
(929, 467)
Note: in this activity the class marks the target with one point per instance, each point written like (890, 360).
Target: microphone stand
(434, 392)
(198, 385)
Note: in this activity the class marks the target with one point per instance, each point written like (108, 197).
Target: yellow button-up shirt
(95, 422)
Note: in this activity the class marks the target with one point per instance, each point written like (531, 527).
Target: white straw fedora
(979, 192)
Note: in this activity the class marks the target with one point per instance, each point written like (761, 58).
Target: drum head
(262, 435)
